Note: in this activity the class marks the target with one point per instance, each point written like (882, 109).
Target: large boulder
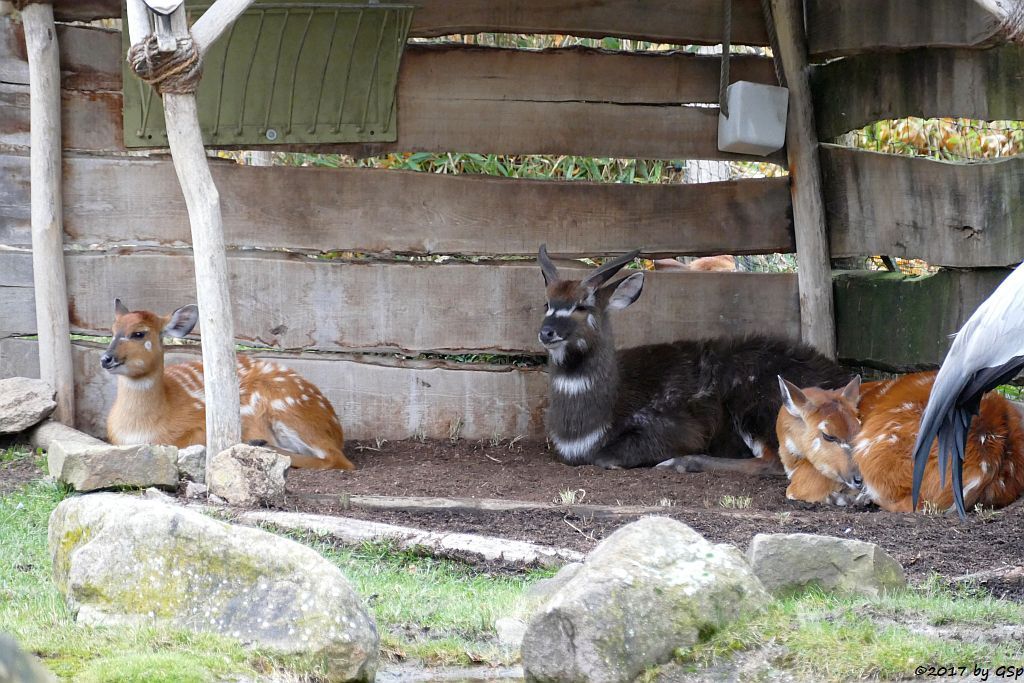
(119, 559)
(512, 628)
(787, 563)
(248, 475)
(651, 587)
(86, 467)
(24, 403)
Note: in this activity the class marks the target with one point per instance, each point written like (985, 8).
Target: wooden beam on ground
(817, 324)
(466, 547)
(975, 84)
(296, 302)
(961, 215)
(370, 211)
(838, 28)
(47, 213)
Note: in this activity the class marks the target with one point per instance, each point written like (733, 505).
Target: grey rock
(787, 563)
(194, 490)
(248, 475)
(192, 463)
(24, 403)
(122, 560)
(88, 468)
(17, 666)
(156, 494)
(651, 587)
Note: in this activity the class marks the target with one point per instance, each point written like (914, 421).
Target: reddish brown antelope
(689, 405)
(168, 405)
(856, 445)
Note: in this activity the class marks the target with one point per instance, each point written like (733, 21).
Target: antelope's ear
(625, 291)
(182, 321)
(120, 309)
(793, 399)
(851, 392)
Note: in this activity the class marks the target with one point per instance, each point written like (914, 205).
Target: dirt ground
(723, 508)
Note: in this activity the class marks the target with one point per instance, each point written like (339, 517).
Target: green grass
(434, 610)
(438, 612)
(828, 637)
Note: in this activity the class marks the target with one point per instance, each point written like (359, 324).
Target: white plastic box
(757, 119)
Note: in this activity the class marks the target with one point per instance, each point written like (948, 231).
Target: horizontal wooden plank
(306, 303)
(463, 99)
(898, 322)
(664, 21)
(89, 57)
(964, 215)
(390, 401)
(845, 27)
(978, 84)
(369, 210)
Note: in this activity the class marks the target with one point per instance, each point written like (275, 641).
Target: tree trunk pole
(223, 426)
(52, 321)
(817, 319)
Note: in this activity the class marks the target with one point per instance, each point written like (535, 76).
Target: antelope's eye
(830, 438)
(138, 334)
(581, 307)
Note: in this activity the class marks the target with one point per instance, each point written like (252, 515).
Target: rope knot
(168, 72)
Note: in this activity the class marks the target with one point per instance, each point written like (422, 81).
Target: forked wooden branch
(1010, 14)
(223, 427)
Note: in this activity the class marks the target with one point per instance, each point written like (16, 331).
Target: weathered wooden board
(89, 57)
(391, 401)
(846, 27)
(979, 84)
(91, 60)
(948, 214)
(666, 21)
(313, 304)
(368, 210)
(461, 99)
(897, 322)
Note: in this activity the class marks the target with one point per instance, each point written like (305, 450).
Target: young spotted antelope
(161, 405)
(863, 449)
(691, 405)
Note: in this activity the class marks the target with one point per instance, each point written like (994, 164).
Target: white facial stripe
(574, 449)
(571, 385)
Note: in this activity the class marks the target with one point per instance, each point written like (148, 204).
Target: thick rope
(723, 82)
(169, 72)
(1012, 26)
(773, 41)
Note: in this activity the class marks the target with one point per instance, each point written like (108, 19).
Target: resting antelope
(836, 448)
(167, 405)
(647, 405)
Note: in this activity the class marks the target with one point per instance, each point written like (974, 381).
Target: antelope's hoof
(685, 463)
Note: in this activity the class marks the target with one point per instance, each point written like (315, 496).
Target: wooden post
(223, 428)
(817, 318)
(52, 323)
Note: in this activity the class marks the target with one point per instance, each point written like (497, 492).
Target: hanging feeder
(752, 116)
(289, 72)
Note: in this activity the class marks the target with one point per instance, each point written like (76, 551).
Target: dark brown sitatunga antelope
(691, 405)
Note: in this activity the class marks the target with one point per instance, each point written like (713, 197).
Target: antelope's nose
(548, 335)
(107, 361)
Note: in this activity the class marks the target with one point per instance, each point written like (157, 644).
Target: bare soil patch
(722, 507)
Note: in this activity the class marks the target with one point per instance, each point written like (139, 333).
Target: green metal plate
(289, 72)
